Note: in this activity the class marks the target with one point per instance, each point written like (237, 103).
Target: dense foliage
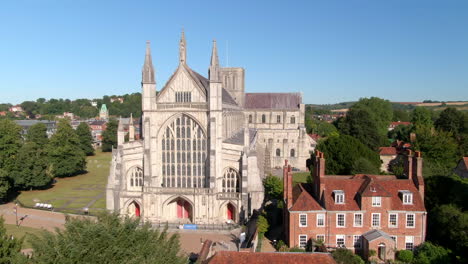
(65, 154)
(343, 152)
(9, 247)
(273, 188)
(109, 137)
(109, 239)
(346, 256)
(428, 253)
(85, 138)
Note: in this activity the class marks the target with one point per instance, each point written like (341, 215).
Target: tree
(428, 253)
(4, 184)
(10, 142)
(346, 256)
(10, 248)
(86, 139)
(109, 239)
(400, 115)
(405, 256)
(401, 132)
(109, 137)
(273, 187)
(322, 128)
(364, 166)
(262, 224)
(451, 120)
(341, 153)
(359, 124)
(64, 152)
(31, 169)
(421, 117)
(38, 134)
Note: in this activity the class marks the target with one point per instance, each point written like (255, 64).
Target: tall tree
(38, 134)
(10, 142)
(109, 137)
(4, 185)
(451, 120)
(342, 152)
(10, 248)
(32, 168)
(110, 239)
(421, 117)
(401, 115)
(64, 152)
(86, 139)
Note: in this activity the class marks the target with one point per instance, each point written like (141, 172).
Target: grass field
(300, 177)
(72, 194)
(22, 231)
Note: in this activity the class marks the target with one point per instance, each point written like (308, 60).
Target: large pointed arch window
(135, 177)
(231, 180)
(183, 154)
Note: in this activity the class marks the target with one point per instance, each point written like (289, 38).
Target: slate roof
(227, 98)
(224, 257)
(387, 151)
(238, 138)
(273, 100)
(374, 234)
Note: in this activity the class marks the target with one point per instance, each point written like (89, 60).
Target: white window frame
(341, 237)
(406, 197)
(409, 240)
(354, 222)
(372, 220)
(300, 220)
(322, 217)
(339, 197)
(358, 241)
(414, 221)
(300, 245)
(344, 220)
(320, 237)
(396, 220)
(376, 201)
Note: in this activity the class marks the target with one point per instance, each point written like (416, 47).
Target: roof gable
(185, 79)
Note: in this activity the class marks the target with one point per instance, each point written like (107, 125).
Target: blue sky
(331, 51)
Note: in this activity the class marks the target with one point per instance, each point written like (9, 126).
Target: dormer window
(376, 201)
(339, 196)
(406, 197)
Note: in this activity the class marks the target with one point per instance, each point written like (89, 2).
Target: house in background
(360, 212)
(387, 154)
(393, 125)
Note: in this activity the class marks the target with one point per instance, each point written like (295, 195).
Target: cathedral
(205, 146)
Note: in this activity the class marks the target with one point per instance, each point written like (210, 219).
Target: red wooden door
(230, 212)
(186, 211)
(137, 209)
(180, 210)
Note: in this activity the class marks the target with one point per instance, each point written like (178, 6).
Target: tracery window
(231, 180)
(293, 119)
(135, 176)
(184, 154)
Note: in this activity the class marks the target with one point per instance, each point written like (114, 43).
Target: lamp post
(16, 213)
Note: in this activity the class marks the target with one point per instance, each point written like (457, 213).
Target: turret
(148, 82)
(131, 129)
(120, 133)
(182, 49)
(213, 71)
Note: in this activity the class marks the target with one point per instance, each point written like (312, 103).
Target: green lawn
(71, 194)
(300, 177)
(22, 231)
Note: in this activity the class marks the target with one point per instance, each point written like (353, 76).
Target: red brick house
(359, 212)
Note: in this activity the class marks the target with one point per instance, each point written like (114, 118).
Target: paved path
(32, 217)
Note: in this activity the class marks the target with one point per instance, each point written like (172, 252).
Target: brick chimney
(288, 185)
(408, 165)
(285, 181)
(319, 174)
(417, 174)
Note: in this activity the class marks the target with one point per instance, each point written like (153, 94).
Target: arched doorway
(231, 212)
(382, 251)
(183, 209)
(180, 210)
(134, 209)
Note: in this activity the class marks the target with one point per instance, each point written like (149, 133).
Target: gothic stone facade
(204, 146)
(359, 212)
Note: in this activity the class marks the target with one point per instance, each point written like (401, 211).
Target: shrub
(405, 256)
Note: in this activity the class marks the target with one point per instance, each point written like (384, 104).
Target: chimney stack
(319, 174)
(287, 183)
(408, 166)
(417, 174)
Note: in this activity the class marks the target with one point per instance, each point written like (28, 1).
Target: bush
(262, 224)
(273, 188)
(405, 256)
(346, 256)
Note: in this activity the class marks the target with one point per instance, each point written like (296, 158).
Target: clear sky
(331, 51)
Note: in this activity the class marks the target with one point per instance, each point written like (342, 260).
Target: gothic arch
(179, 208)
(183, 144)
(231, 180)
(229, 211)
(134, 176)
(133, 208)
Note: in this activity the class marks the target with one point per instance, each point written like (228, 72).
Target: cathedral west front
(205, 146)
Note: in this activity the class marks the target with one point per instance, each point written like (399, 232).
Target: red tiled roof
(387, 151)
(227, 257)
(400, 123)
(303, 200)
(365, 185)
(465, 160)
(315, 136)
(273, 100)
